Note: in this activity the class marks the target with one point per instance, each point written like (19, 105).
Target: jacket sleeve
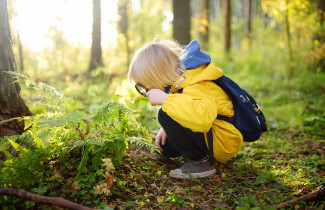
(195, 108)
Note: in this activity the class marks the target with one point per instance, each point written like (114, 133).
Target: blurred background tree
(248, 19)
(123, 6)
(182, 21)
(228, 26)
(204, 24)
(11, 103)
(96, 59)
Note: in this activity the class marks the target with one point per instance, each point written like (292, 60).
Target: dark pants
(180, 140)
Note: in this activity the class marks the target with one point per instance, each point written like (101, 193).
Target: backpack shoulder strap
(230, 120)
(221, 84)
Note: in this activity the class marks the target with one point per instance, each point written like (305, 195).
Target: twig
(309, 197)
(313, 109)
(60, 202)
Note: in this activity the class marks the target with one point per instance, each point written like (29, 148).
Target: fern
(139, 141)
(11, 119)
(51, 96)
(63, 129)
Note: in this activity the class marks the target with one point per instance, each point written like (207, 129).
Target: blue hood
(194, 57)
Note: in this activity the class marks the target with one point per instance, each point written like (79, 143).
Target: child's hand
(156, 97)
(160, 139)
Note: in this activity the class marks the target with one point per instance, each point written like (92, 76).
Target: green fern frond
(11, 119)
(139, 141)
(51, 96)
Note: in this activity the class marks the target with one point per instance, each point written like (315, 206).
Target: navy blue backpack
(248, 117)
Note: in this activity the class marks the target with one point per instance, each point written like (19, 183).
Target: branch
(15, 191)
(313, 109)
(309, 197)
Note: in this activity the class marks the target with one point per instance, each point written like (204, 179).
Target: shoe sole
(177, 173)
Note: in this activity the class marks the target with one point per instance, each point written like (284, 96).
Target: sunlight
(74, 18)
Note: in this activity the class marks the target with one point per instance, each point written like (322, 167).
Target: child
(180, 80)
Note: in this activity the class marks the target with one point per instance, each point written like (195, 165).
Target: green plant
(315, 124)
(63, 131)
(247, 202)
(264, 177)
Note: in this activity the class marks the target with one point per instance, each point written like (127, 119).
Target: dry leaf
(160, 199)
(107, 164)
(109, 180)
(180, 191)
(74, 185)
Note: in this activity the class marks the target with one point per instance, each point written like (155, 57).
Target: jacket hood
(194, 56)
(198, 66)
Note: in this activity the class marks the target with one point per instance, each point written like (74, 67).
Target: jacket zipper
(180, 81)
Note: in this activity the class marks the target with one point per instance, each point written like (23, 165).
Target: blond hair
(157, 65)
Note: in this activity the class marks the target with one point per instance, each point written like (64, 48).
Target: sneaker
(194, 169)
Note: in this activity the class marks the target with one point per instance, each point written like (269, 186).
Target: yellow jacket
(198, 106)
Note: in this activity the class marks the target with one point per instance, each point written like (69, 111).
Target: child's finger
(163, 139)
(157, 143)
(159, 148)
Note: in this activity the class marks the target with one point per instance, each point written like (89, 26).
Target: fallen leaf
(74, 185)
(109, 180)
(160, 199)
(180, 191)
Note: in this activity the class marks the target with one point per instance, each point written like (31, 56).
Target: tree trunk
(248, 18)
(319, 35)
(228, 26)
(182, 21)
(123, 25)
(287, 24)
(265, 19)
(204, 24)
(96, 59)
(21, 56)
(217, 6)
(11, 104)
(321, 11)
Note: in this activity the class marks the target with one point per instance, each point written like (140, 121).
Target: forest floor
(286, 163)
(257, 177)
(281, 166)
